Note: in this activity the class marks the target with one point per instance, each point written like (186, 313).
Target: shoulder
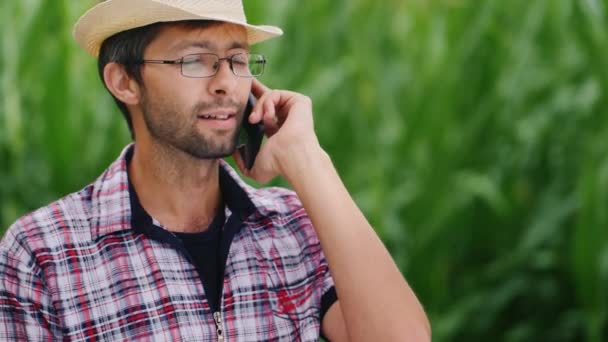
(282, 206)
(276, 201)
(46, 227)
(283, 218)
(69, 220)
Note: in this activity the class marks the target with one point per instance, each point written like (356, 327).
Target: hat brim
(111, 17)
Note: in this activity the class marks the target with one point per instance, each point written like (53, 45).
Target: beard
(170, 126)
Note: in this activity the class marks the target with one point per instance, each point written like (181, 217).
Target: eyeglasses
(207, 64)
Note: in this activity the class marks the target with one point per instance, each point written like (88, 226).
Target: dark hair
(127, 48)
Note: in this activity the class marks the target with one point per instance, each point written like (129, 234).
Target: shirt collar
(115, 206)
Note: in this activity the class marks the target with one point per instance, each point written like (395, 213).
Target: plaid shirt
(77, 270)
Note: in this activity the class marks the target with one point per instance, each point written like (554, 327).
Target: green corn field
(472, 133)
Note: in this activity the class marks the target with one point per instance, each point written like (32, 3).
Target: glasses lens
(256, 64)
(200, 65)
(248, 65)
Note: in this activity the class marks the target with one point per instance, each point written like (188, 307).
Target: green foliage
(471, 133)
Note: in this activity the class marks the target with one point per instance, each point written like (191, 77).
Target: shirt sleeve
(327, 300)
(26, 312)
(329, 296)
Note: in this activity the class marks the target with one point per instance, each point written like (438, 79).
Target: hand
(288, 125)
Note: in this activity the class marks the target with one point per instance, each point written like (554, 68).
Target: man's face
(199, 116)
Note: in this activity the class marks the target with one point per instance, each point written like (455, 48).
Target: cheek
(245, 88)
(176, 94)
(172, 86)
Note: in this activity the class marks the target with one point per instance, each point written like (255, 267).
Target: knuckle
(306, 99)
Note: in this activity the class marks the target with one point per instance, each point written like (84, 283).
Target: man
(169, 244)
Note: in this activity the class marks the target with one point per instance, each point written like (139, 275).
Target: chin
(216, 150)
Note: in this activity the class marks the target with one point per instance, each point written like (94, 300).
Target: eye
(240, 59)
(191, 59)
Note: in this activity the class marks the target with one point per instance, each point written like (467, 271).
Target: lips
(219, 120)
(217, 115)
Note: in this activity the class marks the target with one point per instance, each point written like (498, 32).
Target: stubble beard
(171, 128)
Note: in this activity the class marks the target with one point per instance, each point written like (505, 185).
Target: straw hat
(112, 16)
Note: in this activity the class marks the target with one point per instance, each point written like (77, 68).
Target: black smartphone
(250, 137)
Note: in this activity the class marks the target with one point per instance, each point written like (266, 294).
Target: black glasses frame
(229, 59)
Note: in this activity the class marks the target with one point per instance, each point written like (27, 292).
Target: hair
(127, 48)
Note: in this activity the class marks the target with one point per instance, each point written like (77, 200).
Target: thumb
(238, 159)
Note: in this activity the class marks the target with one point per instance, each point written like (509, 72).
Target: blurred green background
(471, 133)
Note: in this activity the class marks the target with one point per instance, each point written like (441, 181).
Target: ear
(120, 84)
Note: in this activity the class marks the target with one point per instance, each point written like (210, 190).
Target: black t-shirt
(204, 248)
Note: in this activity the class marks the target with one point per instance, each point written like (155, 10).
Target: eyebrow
(205, 44)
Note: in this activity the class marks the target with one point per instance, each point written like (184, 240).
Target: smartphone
(250, 136)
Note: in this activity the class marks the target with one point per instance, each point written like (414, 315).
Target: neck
(178, 190)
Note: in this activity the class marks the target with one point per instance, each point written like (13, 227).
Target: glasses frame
(229, 59)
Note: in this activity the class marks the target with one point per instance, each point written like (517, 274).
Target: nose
(224, 81)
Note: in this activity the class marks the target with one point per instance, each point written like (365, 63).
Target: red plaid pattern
(76, 270)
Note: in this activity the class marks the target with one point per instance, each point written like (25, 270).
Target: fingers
(258, 88)
(265, 107)
(270, 107)
(273, 106)
(268, 100)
